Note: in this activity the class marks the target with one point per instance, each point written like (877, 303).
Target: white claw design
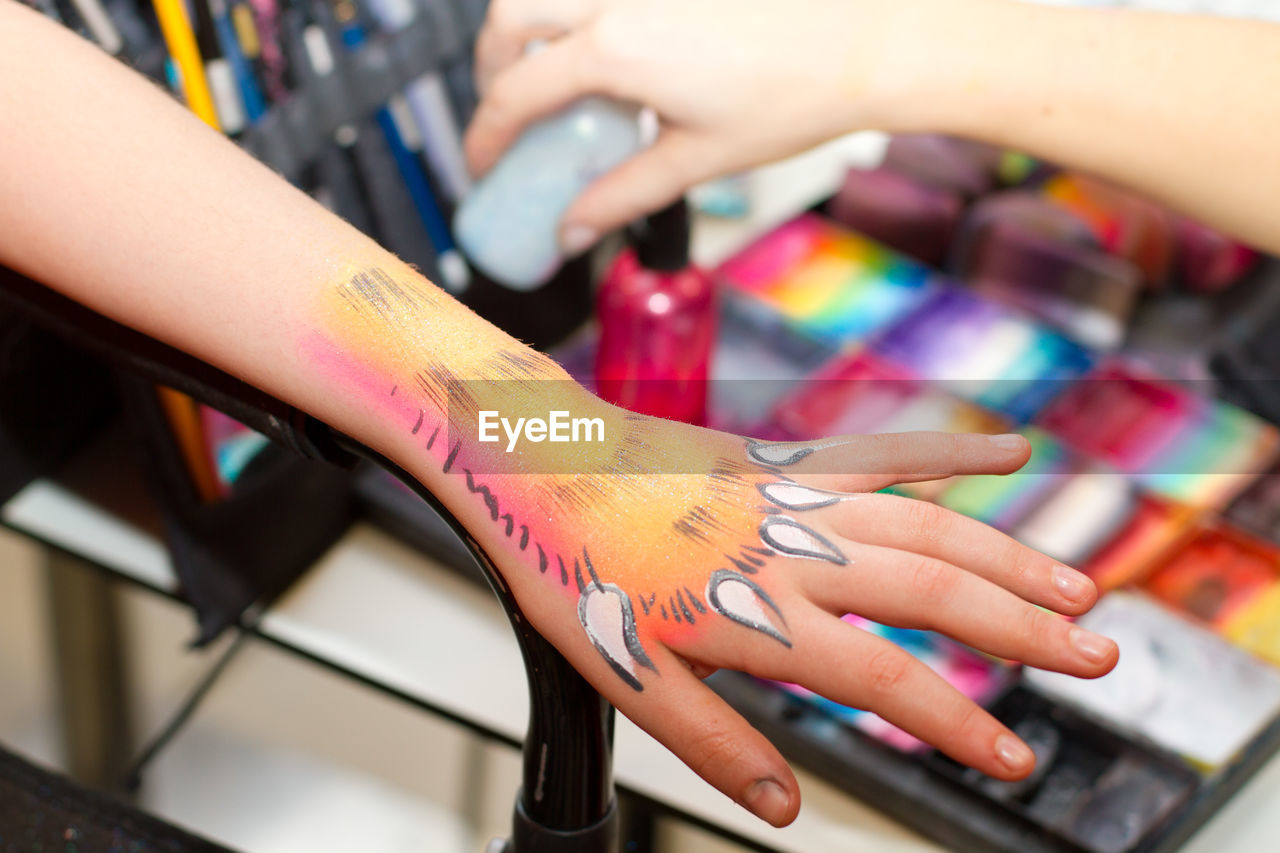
(790, 452)
(741, 599)
(794, 496)
(605, 613)
(788, 536)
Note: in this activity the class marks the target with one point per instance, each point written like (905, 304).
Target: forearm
(118, 197)
(1177, 107)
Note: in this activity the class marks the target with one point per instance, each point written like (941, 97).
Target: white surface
(379, 608)
(283, 756)
(50, 512)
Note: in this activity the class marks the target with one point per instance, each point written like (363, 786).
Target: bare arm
(658, 549)
(1180, 108)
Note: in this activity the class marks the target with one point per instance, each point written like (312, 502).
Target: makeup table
(403, 639)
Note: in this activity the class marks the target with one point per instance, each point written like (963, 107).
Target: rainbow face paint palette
(985, 352)
(1125, 471)
(1086, 510)
(864, 393)
(1257, 509)
(1091, 789)
(750, 373)
(1025, 251)
(1153, 527)
(825, 282)
(1175, 442)
(1256, 627)
(1124, 224)
(900, 211)
(1004, 501)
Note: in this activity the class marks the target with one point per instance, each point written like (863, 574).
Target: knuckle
(934, 582)
(1023, 569)
(600, 44)
(958, 446)
(971, 721)
(924, 521)
(1039, 630)
(612, 38)
(713, 748)
(886, 671)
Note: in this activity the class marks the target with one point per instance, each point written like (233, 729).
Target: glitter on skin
(651, 533)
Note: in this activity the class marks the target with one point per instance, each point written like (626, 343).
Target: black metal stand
(566, 801)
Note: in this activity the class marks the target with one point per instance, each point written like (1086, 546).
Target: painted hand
(651, 552)
(659, 574)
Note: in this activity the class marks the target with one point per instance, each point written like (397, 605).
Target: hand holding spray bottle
(656, 310)
(509, 225)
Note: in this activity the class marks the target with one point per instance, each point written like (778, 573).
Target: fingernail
(1013, 753)
(1008, 441)
(767, 800)
(1092, 647)
(576, 239)
(1071, 585)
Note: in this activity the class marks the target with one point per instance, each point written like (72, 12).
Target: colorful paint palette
(1216, 575)
(1173, 441)
(985, 352)
(1177, 683)
(826, 281)
(1003, 501)
(864, 393)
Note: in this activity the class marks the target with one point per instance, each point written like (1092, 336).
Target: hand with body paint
(662, 551)
(653, 555)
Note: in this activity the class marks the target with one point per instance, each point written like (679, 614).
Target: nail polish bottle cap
(661, 240)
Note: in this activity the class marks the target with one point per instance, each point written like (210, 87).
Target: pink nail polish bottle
(657, 317)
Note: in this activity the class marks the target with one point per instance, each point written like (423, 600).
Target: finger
(872, 462)
(914, 591)
(645, 182)
(510, 25)
(858, 669)
(497, 48)
(715, 741)
(934, 531)
(536, 85)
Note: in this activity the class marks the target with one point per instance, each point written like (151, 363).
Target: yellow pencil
(181, 410)
(181, 41)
